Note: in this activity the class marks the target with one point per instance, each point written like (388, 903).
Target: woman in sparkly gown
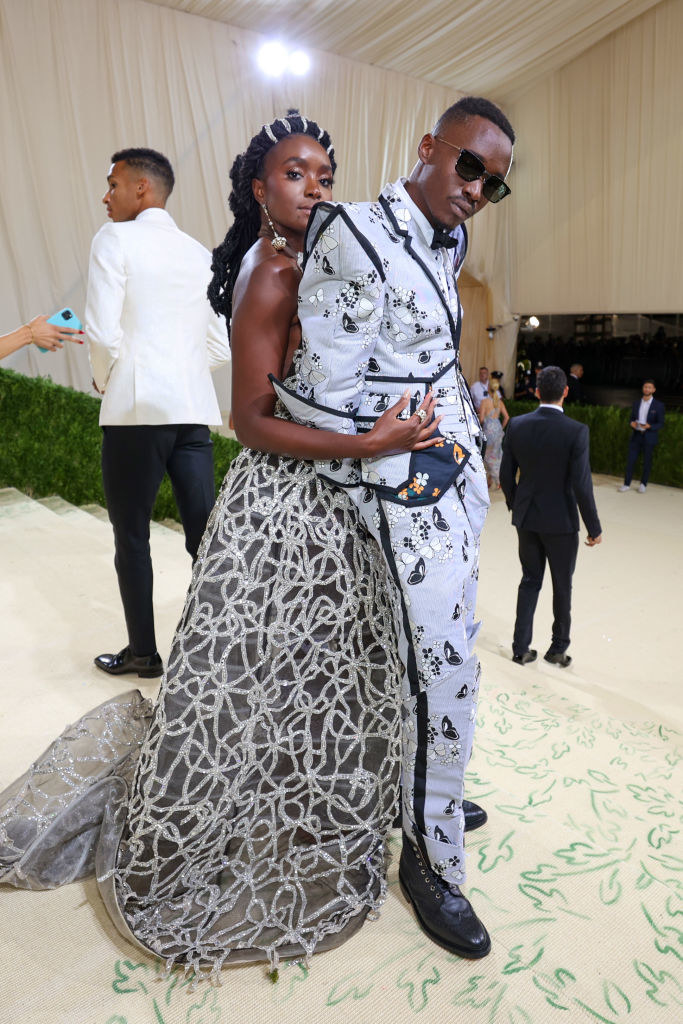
(252, 824)
(491, 411)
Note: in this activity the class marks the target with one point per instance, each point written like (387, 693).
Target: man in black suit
(550, 450)
(647, 419)
(574, 384)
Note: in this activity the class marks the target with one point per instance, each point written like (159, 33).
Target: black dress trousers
(134, 460)
(560, 551)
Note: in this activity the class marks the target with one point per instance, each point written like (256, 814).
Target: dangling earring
(277, 241)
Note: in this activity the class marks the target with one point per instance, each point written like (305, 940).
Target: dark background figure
(575, 394)
(524, 388)
(647, 419)
(550, 451)
(498, 375)
(480, 388)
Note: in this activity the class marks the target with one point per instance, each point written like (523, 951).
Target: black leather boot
(442, 911)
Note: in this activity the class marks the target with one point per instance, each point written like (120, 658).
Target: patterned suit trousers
(432, 555)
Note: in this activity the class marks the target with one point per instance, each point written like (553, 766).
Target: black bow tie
(442, 240)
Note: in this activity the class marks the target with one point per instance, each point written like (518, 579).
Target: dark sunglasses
(469, 167)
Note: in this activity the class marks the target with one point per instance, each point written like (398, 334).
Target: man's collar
(551, 405)
(416, 215)
(413, 221)
(157, 213)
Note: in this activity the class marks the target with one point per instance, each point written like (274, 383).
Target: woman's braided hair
(228, 256)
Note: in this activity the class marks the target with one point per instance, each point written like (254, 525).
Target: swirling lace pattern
(269, 777)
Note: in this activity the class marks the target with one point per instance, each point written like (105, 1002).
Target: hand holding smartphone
(64, 318)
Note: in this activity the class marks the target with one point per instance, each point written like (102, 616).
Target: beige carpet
(578, 874)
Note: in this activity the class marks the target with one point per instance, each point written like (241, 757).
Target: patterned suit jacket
(380, 311)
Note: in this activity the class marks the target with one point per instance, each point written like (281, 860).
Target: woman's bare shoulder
(264, 268)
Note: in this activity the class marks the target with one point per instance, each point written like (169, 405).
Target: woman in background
(491, 410)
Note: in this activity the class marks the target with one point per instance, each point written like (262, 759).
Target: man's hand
(592, 541)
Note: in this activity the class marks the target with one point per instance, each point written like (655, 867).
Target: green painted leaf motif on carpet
(492, 998)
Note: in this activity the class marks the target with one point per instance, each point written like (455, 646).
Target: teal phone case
(65, 318)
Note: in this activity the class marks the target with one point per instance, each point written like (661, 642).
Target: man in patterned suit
(380, 313)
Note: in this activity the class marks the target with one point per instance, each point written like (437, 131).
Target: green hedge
(50, 443)
(610, 433)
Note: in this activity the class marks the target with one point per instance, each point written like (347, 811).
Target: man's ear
(142, 186)
(426, 148)
(259, 190)
(538, 394)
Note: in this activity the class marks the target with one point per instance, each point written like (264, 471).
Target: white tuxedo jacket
(152, 334)
(380, 311)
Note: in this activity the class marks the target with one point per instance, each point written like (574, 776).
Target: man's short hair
(551, 382)
(649, 380)
(475, 106)
(155, 164)
(483, 368)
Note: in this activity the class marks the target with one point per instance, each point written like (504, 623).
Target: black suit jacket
(655, 417)
(550, 450)
(575, 389)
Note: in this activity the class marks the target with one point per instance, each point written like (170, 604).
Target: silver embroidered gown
(254, 824)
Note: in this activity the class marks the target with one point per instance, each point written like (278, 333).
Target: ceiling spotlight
(299, 62)
(534, 322)
(273, 58)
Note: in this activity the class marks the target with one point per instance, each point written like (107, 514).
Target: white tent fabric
(597, 212)
(494, 48)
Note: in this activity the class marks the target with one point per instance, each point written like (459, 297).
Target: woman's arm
(264, 305)
(38, 331)
(485, 407)
(506, 415)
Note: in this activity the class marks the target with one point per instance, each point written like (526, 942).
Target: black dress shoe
(442, 911)
(475, 816)
(558, 658)
(524, 659)
(148, 666)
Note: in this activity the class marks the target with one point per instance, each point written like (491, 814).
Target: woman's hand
(393, 436)
(51, 336)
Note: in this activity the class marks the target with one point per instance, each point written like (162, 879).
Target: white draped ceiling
(484, 47)
(594, 220)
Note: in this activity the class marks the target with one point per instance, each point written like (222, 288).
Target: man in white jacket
(153, 342)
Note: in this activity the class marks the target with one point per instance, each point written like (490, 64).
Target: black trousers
(134, 460)
(638, 443)
(559, 550)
